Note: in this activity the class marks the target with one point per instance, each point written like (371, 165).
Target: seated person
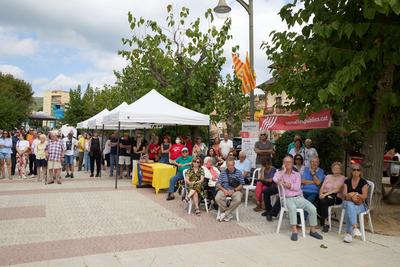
(194, 179)
(394, 169)
(299, 164)
(211, 174)
(312, 179)
(183, 162)
(355, 192)
(264, 180)
(216, 160)
(330, 193)
(230, 155)
(291, 182)
(244, 165)
(229, 196)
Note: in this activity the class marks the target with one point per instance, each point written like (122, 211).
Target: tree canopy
(16, 98)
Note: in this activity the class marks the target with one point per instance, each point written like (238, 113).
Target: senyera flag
(244, 73)
(316, 120)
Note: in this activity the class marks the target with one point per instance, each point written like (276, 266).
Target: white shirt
(107, 148)
(22, 144)
(71, 146)
(225, 147)
(35, 142)
(309, 153)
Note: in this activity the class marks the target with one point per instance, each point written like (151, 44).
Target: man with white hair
(55, 155)
(309, 153)
(244, 165)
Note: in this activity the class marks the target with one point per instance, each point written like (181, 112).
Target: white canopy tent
(82, 124)
(97, 120)
(155, 109)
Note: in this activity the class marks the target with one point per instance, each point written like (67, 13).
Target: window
(278, 101)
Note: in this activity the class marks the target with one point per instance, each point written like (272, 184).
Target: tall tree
(179, 60)
(347, 58)
(74, 110)
(16, 100)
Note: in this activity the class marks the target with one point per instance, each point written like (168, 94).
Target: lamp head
(222, 9)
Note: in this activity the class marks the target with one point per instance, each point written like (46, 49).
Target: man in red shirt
(176, 150)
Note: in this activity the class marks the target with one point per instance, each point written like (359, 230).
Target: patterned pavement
(86, 222)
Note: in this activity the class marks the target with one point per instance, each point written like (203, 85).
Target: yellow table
(156, 174)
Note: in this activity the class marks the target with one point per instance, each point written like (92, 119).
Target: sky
(54, 44)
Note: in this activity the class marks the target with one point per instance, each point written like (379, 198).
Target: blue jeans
(352, 211)
(164, 159)
(174, 180)
(86, 160)
(114, 162)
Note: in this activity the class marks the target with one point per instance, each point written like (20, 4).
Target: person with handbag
(229, 196)
(355, 193)
(330, 193)
(264, 180)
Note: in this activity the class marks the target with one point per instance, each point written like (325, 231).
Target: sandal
(186, 200)
(197, 212)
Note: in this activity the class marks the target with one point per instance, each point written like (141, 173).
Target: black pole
(102, 146)
(117, 165)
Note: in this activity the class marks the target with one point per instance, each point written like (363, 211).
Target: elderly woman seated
(211, 174)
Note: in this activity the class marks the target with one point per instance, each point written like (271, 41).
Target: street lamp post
(223, 8)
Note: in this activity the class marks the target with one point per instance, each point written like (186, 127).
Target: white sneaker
(32, 175)
(356, 232)
(228, 218)
(221, 217)
(348, 238)
(23, 177)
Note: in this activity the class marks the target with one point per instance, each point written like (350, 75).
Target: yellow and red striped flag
(244, 73)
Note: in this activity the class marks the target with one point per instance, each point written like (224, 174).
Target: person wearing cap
(309, 152)
(175, 150)
(263, 148)
(183, 162)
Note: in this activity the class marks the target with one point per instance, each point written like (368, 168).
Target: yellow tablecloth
(156, 174)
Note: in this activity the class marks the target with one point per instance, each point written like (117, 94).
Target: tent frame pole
(117, 165)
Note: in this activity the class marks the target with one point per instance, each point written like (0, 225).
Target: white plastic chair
(284, 208)
(236, 213)
(330, 213)
(190, 204)
(251, 186)
(362, 214)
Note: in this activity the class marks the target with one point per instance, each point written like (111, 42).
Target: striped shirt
(225, 176)
(54, 150)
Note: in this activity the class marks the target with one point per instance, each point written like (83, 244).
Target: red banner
(316, 120)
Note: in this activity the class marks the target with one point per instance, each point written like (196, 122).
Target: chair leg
(190, 206)
(237, 214)
(341, 221)
(303, 223)
(370, 222)
(362, 227)
(206, 203)
(280, 220)
(218, 212)
(246, 197)
(330, 217)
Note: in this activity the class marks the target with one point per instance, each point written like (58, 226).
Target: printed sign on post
(250, 135)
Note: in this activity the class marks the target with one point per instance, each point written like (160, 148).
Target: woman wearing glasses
(298, 164)
(194, 179)
(355, 193)
(22, 155)
(5, 154)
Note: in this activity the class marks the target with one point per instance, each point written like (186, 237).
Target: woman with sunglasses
(22, 155)
(330, 193)
(298, 164)
(5, 154)
(194, 179)
(355, 192)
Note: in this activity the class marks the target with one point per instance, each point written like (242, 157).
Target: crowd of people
(214, 172)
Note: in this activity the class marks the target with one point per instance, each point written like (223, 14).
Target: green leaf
(348, 29)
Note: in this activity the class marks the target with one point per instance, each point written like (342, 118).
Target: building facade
(54, 102)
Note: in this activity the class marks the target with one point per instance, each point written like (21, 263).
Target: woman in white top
(298, 149)
(40, 153)
(23, 149)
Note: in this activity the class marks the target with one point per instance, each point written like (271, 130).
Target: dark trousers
(95, 157)
(80, 160)
(267, 193)
(13, 162)
(32, 164)
(324, 204)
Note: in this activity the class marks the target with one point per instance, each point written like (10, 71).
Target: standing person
(176, 150)
(183, 163)
(81, 149)
(355, 193)
(216, 146)
(125, 147)
(41, 162)
(291, 182)
(297, 149)
(106, 152)
(113, 154)
(194, 179)
(263, 148)
(229, 184)
(154, 149)
(292, 144)
(200, 149)
(69, 146)
(187, 142)
(226, 146)
(330, 193)
(22, 155)
(5, 154)
(55, 155)
(14, 138)
(264, 181)
(309, 152)
(138, 150)
(95, 154)
(32, 157)
(299, 164)
(165, 147)
(86, 154)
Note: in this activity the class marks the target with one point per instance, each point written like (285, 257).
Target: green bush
(328, 142)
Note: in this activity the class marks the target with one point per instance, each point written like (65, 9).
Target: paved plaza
(86, 222)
